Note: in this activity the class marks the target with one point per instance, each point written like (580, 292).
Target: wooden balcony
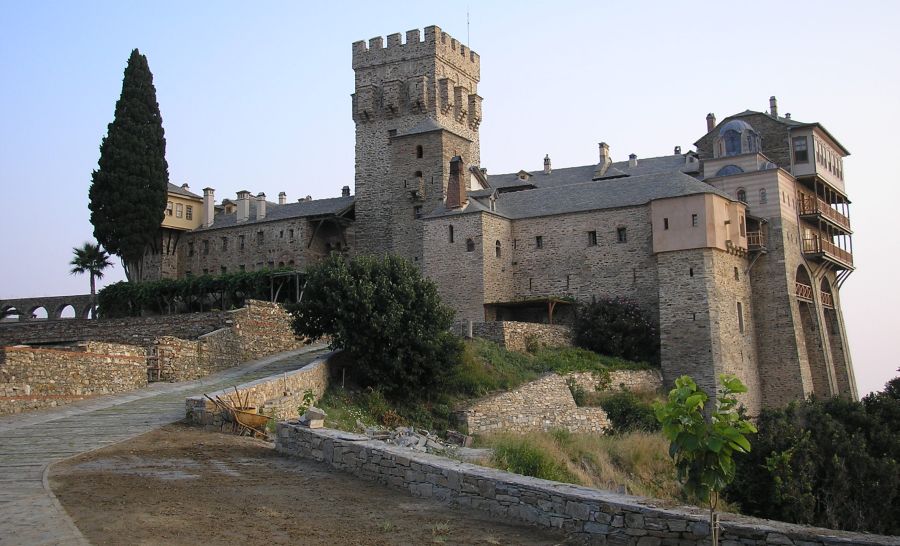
(803, 291)
(756, 240)
(810, 206)
(827, 300)
(819, 248)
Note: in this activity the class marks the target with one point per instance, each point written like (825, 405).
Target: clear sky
(256, 96)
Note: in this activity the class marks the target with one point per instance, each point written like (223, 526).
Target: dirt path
(180, 485)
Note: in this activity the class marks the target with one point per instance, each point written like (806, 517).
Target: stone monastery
(738, 249)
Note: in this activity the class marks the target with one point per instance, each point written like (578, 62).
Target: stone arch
(37, 312)
(65, 311)
(9, 312)
(834, 331)
(811, 333)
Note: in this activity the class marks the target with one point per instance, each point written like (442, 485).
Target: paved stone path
(31, 442)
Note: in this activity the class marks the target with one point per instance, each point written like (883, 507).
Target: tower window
(419, 152)
(743, 228)
(190, 249)
(241, 241)
(665, 223)
(622, 235)
(592, 238)
(762, 196)
(695, 220)
(539, 242)
(801, 150)
(470, 245)
(742, 195)
(691, 271)
(497, 249)
(260, 237)
(450, 233)
(206, 247)
(417, 211)
(740, 314)
(737, 275)
(224, 243)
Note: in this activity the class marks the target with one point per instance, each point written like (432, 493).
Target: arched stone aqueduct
(26, 308)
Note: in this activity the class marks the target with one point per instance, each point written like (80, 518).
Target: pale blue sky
(257, 96)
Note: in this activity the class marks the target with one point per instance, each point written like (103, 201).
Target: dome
(735, 125)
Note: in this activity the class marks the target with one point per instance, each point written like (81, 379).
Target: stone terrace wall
(544, 404)
(263, 328)
(49, 377)
(599, 517)
(278, 396)
(627, 380)
(514, 336)
(132, 330)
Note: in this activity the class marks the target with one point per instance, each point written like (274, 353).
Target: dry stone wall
(626, 380)
(516, 336)
(36, 378)
(591, 515)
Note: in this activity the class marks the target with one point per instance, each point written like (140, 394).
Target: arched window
(729, 170)
(762, 196)
(450, 233)
(732, 140)
(419, 152)
(470, 245)
(497, 248)
(742, 195)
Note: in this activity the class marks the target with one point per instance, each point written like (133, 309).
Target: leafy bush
(628, 413)
(579, 395)
(520, 455)
(387, 317)
(832, 463)
(617, 327)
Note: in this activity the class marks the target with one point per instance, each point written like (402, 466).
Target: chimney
(604, 154)
(632, 160)
(787, 116)
(710, 122)
(185, 186)
(345, 191)
(243, 206)
(547, 169)
(282, 198)
(677, 150)
(209, 206)
(773, 106)
(456, 189)
(260, 206)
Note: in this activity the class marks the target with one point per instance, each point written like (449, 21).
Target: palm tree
(90, 259)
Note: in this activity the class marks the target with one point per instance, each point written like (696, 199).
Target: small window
(801, 151)
(224, 243)
(695, 220)
(242, 268)
(743, 228)
(223, 270)
(419, 152)
(190, 249)
(762, 196)
(530, 283)
(241, 241)
(539, 242)
(691, 272)
(281, 234)
(568, 281)
(497, 252)
(291, 234)
(417, 211)
(169, 208)
(179, 210)
(740, 314)
(470, 245)
(418, 174)
(206, 247)
(622, 235)
(260, 237)
(665, 223)
(592, 238)
(189, 212)
(737, 275)
(742, 195)
(450, 233)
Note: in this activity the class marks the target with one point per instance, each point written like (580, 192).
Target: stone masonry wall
(49, 377)
(626, 380)
(591, 515)
(277, 396)
(515, 336)
(541, 405)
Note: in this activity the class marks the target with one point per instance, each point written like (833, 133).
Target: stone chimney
(209, 206)
(547, 169)
(677, 150)
(773, 106)
(282, 198)
(632, 160)
(345, 191)
(456, 188)
(260, 206)
(243, 206)
(710, 122)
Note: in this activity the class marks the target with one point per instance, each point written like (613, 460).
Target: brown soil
(180, 485)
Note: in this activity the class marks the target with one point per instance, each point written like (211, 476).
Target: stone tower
(416, 106)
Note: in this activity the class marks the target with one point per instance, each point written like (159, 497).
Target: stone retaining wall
(626, 380)
(49, 377)
(591, 515)
(278, 396)
(541, 405)
(516, 336)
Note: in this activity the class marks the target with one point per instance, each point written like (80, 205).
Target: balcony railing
(827, 300)
(809, 205)
(829, 250)
(756, 240)
(803, 291)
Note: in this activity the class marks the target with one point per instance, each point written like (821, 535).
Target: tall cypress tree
(128, 189)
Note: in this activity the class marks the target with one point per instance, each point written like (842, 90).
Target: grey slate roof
(178, 190)
(427, 125)
(274, 211)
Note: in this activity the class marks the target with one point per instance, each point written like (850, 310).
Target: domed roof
(735, 125)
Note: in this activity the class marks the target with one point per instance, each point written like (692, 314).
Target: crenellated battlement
(436, 43)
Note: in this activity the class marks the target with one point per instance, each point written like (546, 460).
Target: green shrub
(628, 413)
(520, 455)
(578, 392)
(617, 327)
